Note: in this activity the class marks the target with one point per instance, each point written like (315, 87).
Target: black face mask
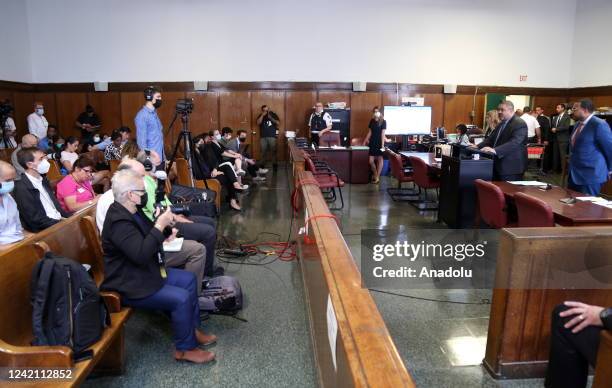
(157, 104)
(242, 139)
(143, 201)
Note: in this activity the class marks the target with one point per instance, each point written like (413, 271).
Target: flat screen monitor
(408, 120)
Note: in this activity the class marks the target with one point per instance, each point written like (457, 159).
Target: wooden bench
(603, 372)
(182, 170)
(76, 238)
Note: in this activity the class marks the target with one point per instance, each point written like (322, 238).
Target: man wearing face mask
(320, 123)
(149, 129)
(10, 226)
(38, 207)
(89, 122)
(26, 142)
(38, 124)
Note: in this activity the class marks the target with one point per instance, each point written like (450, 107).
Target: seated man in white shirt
(38, 125)
(27, 141)
(533, 126)
(38, 206)
(7, 140)
(10, 226)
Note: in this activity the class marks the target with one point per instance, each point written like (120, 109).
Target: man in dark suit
(508, 142)
(560, 130)
(590, 150)
(37, 204)
(544, 122)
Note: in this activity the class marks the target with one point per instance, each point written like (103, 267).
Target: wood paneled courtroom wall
(237, 104)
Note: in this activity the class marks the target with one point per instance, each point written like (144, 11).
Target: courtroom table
(351, 163)
(580, 213)
(427, 157)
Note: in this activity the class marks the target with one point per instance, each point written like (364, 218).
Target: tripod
(184, 136)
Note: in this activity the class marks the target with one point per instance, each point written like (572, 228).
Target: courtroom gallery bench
(76, 238)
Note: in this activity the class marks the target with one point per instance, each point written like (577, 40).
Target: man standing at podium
(508, 143)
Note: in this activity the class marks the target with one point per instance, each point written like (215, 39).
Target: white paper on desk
(174, 246)
(438, 159)
(336, 147)
(592, 199)
(332, 330)
(528, 183)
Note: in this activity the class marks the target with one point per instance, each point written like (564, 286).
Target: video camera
(184, 105)
(160, 195)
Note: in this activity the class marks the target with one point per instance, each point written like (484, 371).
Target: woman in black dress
(376, 140)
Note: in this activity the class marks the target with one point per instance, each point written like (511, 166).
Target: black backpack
(221, 295)
(67, 308)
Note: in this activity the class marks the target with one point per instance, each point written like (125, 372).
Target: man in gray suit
(560, 137)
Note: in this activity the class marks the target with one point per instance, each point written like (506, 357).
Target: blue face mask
(7, 187)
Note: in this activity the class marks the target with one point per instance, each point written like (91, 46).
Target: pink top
(68, 187)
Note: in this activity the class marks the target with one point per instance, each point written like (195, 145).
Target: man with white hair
(191, 256)
(135, 267)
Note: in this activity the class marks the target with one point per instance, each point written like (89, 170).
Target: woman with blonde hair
(491, 122)
(376, 141)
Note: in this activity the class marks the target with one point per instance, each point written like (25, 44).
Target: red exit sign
(523, 78)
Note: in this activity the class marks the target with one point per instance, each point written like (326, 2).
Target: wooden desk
(427, 157)
(352, 165)
(581, 213)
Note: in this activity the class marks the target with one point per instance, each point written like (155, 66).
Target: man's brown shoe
(197, 356)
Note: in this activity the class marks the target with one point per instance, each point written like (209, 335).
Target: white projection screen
(408, 120)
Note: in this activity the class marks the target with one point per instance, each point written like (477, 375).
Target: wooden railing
(524, 296)
(296, 158)
(363, 353)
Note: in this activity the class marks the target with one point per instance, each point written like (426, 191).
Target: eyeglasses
(138, 191)
(88, 171)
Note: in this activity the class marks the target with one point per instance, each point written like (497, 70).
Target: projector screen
(408, 120)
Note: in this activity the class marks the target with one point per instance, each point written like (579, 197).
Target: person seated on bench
(75, 190)
(574, 342)
(70, 154)
(10, 226)
(38, 207)
(236, 145)
(206, 167)
(198, 228)
(462, 135)
(223, 154)
(27, 141)
(134, 266)
(192, 255)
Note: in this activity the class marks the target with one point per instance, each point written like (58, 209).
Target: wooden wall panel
(6, 95)
(108, 107)
(166, 114)
(48, 100)
(22, 102)
(276, 103)
(131, 102)
(326, 97)
(205, 116)
(69, 107)
(235, 110)
(600, 101)
(362, 104)
(457, 109)
(298, 107)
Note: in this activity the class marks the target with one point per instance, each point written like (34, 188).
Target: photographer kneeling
(198, 228)
(134, 267)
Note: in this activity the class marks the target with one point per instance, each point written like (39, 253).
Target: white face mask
(96, 138)
(377, 114)
(40, 111)
(218, 136)
(43, 167)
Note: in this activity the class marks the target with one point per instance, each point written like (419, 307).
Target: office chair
(329, 139)
(491, 205)
(424, 180)
(402, 175)
(533, 212)
(328, 181)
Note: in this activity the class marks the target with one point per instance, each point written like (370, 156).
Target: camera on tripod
(184, 105)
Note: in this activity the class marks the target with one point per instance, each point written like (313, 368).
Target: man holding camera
(149, 129)
(193, 227)
(268, 128)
